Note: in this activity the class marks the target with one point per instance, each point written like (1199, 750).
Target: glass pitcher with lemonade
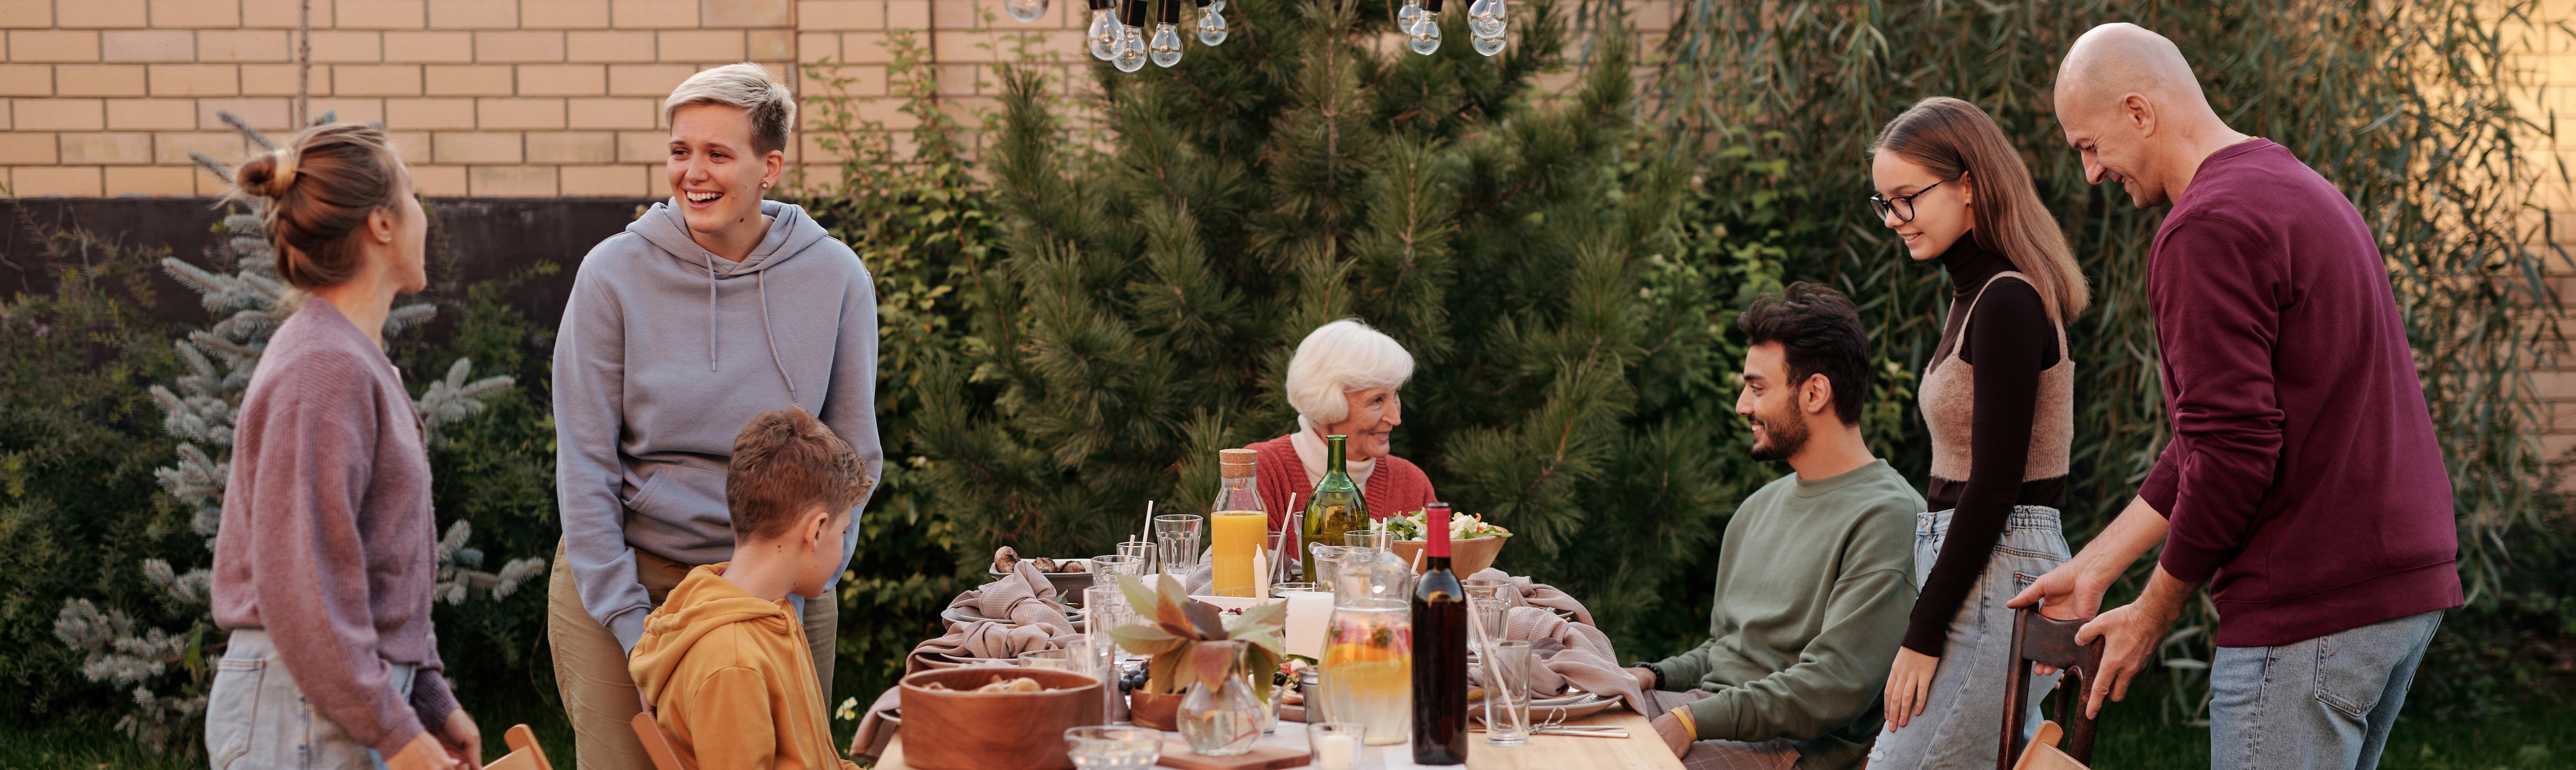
(1367, 674)
(1236, 522)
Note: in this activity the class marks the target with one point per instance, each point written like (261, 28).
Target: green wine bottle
(1336, 506)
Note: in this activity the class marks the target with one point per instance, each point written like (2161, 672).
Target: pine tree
(1518, 240)
(199, 410)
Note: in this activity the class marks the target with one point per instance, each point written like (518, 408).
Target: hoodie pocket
(686, 497)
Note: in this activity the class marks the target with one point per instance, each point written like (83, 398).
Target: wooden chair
(2039, 639)
(524, 754)
(665, 752)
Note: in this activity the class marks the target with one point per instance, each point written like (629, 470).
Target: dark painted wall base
(471, 240)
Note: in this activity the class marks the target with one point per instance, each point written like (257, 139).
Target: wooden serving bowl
(1155, 711)
(1466, 557)
(958, 729)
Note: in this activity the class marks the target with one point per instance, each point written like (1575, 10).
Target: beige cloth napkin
(1025, 596)
(986, 639)
(1537, 594)
(1568, 653)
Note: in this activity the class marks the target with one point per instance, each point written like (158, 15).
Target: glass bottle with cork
(1236, 523)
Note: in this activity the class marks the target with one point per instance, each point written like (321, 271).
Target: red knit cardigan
(1396, 486)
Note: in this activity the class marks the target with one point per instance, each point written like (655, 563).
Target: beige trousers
(599, 697)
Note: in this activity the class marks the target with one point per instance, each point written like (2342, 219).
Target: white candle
(1260, 574)
(1336, 752)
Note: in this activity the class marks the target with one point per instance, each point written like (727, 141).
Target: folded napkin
(987, 639)
(1567, 653)
(1536, 594)
(1025, 596)
(877, 729)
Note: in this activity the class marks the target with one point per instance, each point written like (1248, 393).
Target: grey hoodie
(665, 352)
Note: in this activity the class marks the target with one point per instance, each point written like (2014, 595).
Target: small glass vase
(1221, 721)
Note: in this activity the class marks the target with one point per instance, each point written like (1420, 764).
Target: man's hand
(462, 740)
(1909, 685)
(2129, 635)
(1645, 677)
(422, 753)
(1675, 736)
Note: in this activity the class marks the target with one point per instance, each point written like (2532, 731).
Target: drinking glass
(1075, 657)
(1281, 590)
(1507, 700)
(1143, 551)
(1176, 537)
(1336, 745)
(1368, 538)
(1106, 569)
(1106, 609)
(1114, 748)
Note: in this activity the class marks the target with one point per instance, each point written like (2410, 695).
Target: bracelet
(1690, 722)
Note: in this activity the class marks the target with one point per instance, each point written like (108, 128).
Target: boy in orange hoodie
(724, 661)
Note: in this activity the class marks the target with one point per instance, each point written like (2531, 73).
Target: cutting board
(1263, 756)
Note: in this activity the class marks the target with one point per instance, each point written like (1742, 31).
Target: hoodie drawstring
(711, 310)
(762, 279)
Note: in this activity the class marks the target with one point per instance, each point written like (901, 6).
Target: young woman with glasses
(1998, 399)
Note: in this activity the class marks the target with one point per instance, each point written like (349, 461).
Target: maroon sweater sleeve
(308, 559)
(2012, 339)
(2218, 365)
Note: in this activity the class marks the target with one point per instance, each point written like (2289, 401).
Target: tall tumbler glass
(1107, 609)
(1143, 550)
(1507, 699)
(1176, 537)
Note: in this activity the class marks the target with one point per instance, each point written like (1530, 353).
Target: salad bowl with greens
(1473, 542)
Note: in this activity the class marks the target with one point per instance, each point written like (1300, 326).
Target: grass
(2133, 737)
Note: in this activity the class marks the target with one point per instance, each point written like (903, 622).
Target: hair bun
(268, 175)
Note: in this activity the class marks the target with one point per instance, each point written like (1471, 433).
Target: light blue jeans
(2327, 702)
(1962, 719)
(256, 718)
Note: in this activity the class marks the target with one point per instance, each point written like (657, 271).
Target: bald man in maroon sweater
(2303, 482)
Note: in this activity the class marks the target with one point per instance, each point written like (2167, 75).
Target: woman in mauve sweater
(1998, 400)
(327, 562)
(1343, 381)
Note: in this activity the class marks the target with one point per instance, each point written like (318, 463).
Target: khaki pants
(599, 697)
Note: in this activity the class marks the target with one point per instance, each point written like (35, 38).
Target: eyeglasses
(1902, 205)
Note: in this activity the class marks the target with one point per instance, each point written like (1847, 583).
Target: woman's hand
(1669, 728)
(462, 740)
(1909, 685)
(422, 753)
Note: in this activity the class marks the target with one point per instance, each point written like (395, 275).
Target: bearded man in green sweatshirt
(1812, 579)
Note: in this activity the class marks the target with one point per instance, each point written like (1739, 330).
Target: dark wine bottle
(1439, 651)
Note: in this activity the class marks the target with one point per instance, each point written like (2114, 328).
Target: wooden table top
(1640, 751)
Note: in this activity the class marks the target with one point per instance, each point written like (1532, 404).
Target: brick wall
(2553, 62)
(485, 97)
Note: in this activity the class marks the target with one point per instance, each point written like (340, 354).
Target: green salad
(1409, 526)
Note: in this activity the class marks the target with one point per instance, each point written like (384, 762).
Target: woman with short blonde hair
(672, 341)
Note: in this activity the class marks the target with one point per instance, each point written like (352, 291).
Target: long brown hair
(319, 188)
(1953, 138)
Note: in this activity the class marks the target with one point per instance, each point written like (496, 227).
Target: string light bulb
(1025, 11)
(1425, 33)
(1165, 48)
(1211, 22)
(1129, 54)
(1103, 34)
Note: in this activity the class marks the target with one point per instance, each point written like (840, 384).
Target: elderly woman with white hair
(671, 342)
(1343, 381)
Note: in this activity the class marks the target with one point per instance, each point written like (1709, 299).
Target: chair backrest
(2039, 639)
(524, 754)
(665, 752)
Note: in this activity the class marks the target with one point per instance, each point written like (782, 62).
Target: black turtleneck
(2011, 342)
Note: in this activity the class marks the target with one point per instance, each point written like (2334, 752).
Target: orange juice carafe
(1236, 523)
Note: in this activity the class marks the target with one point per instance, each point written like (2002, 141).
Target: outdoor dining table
(1641, 750)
